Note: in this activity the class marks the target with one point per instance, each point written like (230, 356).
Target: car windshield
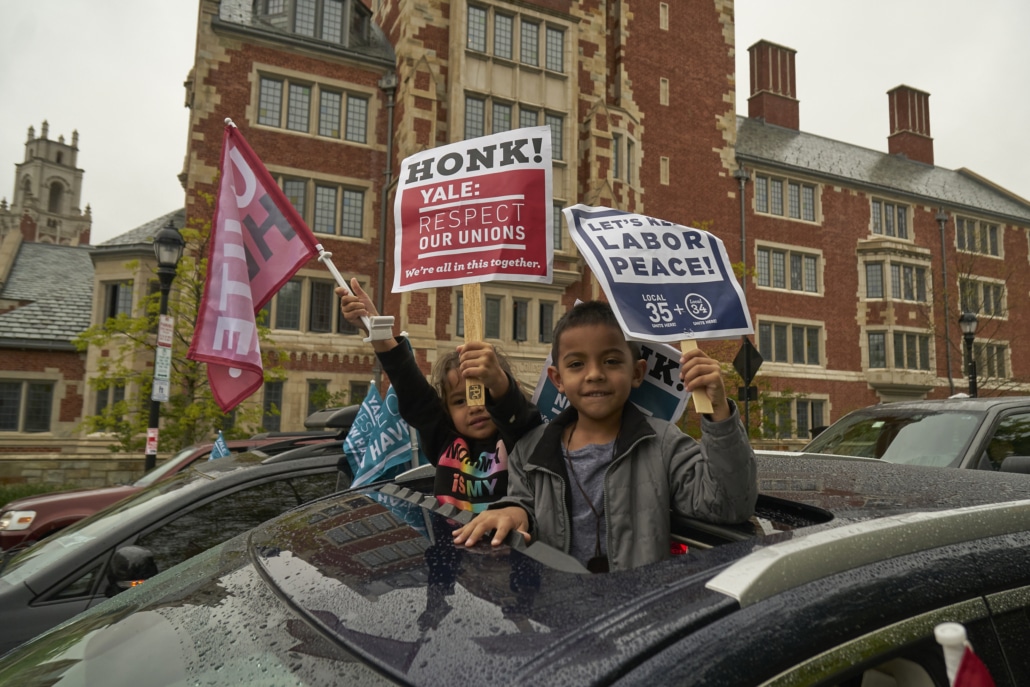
(915, 437)
(168, 466)
(64, 543)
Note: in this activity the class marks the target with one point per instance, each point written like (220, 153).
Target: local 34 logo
(698, 306)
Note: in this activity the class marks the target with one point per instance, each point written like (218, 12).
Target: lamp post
(388, 85)
(968, 324)
(168, 245)
(942, 219)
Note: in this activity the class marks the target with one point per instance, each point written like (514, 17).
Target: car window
(1011, 438)
(171, 465)
(229, 515)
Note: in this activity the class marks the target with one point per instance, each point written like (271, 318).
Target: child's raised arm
(357, 304)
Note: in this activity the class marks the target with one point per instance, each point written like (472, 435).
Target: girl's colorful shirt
(471, 478)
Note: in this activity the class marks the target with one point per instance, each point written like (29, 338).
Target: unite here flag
(475, 211)
(258, 241)
(378, 444)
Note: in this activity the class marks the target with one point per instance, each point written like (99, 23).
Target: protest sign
(666, 282)
(475, 211)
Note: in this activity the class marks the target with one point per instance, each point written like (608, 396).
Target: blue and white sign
(665, 281)
(660, 395)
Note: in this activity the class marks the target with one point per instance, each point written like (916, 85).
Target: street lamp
(168, 245)
(942, 220)
(968, 325)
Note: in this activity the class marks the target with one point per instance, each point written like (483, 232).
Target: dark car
(32, 518)
(978, 433)
(161, 526)
(839, 579)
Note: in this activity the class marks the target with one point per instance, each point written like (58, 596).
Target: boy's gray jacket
(657, 468)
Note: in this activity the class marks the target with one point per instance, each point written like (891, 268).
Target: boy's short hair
(450, 361)
(586, 314)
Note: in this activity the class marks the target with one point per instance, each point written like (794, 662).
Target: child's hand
(501, 521)
(698, 371)
(355, 305)
(478, 360)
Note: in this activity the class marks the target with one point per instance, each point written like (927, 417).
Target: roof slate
(57, 283)
(860, 166)
(144, 234)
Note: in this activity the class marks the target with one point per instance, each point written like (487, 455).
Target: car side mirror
(130, 566)
(1019, 464)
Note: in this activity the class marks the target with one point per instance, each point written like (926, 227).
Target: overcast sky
(113, 70)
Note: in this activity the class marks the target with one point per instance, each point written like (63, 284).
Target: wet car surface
(843, 572)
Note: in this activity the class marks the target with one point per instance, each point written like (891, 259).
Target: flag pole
(379, 327)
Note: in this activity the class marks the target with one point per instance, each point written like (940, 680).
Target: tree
(191, 414)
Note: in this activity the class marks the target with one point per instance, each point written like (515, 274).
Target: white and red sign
(258, 241)
(476, 211)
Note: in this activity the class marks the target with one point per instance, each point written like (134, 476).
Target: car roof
(958, 404)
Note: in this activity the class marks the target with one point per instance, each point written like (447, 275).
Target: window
(270, 101)
(320, 312)
(459, 316)
(877, 350)
(475, 117)
(769, 198)
(299, 108)
(976, 237)
(357, 119)
(874, 280)
(557, 123)
(616, 156)
(275, 6)
(337, 209)
(982, 297)
(890, 219)
(519, 319)
(557, 221)
(272, 403)
(322, 19)
(501, 118)
(358, 391)
(230, 514)
(781, 342)
(772, 269)
(503, 32)
(294, 111)
(117, 299)
(990, 360)
(287, 306)
(528, 117)
(555, 59)
(318, 394)
(792, 418)
(911, 351)
(492, 318)
(663, 16)
(107, 398)
(529, 43)
(908, 282)
(546, 326)
(25, 406)
(663, 163)
(477, 29)
(663, 91)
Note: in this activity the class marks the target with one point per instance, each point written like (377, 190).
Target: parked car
(161, 526)
(839, 579)
(978, 433)
(27, 520)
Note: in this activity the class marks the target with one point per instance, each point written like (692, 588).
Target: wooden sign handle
(702, 404)
(475, 392)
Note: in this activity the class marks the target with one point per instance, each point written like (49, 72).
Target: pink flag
(258, 241)
(972, 672)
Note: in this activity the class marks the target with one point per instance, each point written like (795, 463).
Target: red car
(32, 518)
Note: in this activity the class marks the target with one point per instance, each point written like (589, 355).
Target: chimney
(773, 89)
(910, 124)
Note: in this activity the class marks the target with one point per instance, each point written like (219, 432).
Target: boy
(614, 465)
(469, 445)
